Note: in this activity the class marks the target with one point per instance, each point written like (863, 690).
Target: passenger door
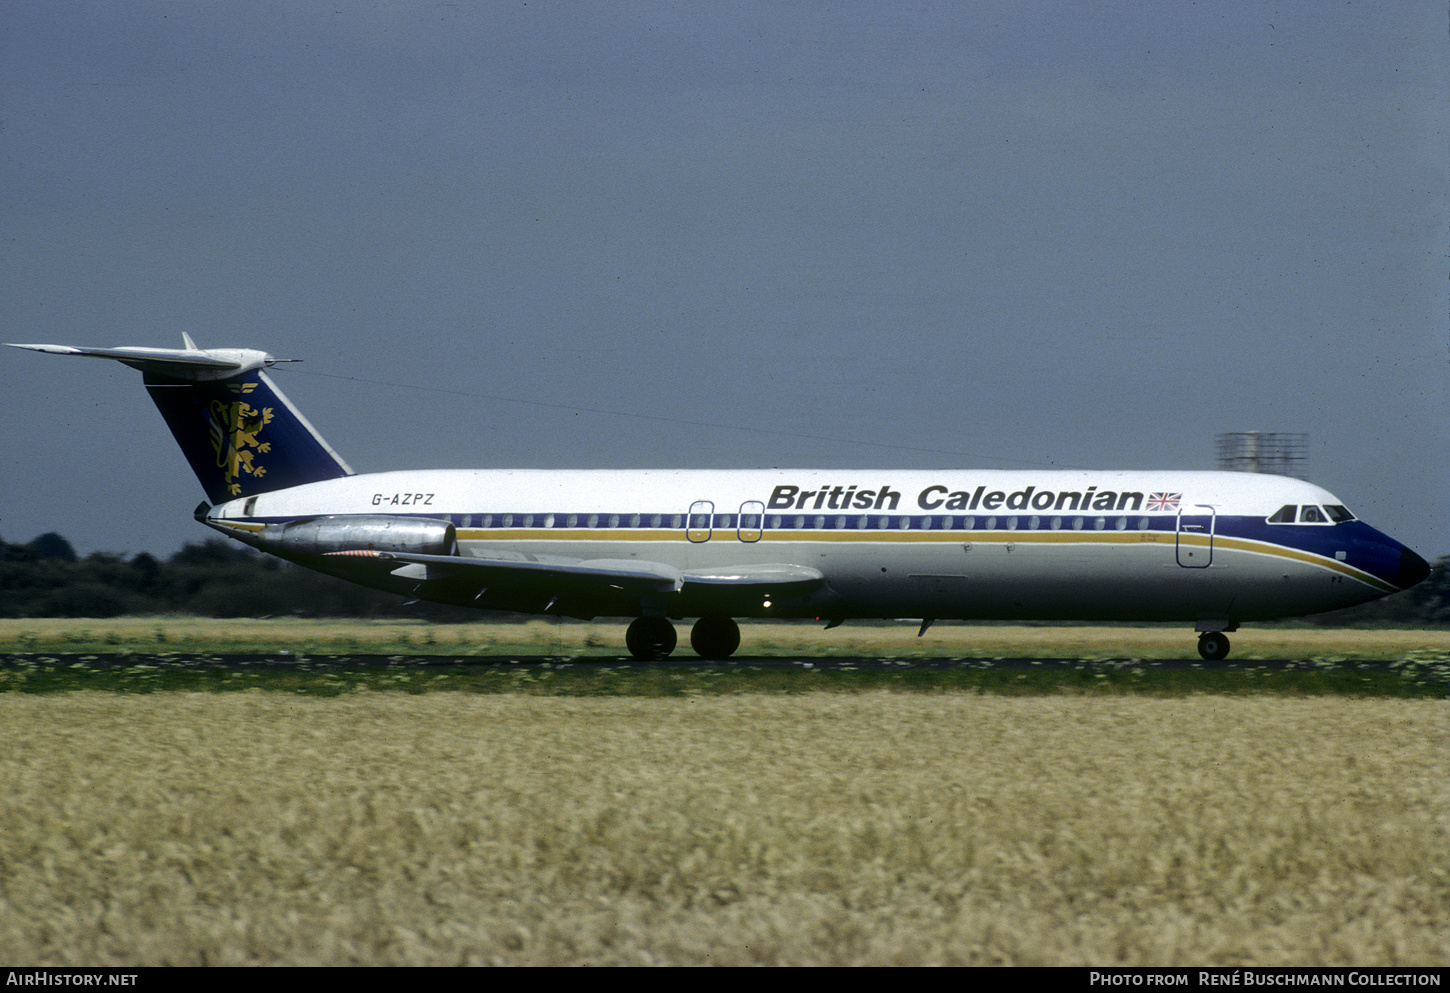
(698, 524)
(1194, 539)
(752, 521)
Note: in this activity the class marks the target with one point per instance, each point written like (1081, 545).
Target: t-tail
(241, 435)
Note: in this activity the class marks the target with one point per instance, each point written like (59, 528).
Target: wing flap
(773, 575)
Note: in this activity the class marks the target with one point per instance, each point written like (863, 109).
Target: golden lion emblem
(234, 430)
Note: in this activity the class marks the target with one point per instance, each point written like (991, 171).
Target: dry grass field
(603, 638)
(872, 828)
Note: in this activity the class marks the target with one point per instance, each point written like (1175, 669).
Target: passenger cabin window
(1284, 515)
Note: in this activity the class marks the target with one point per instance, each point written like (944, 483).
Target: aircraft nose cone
(1413, 569)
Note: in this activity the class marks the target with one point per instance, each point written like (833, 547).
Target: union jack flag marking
(1164, 501)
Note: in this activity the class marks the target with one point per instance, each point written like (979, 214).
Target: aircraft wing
(630, 575)
(626, 574)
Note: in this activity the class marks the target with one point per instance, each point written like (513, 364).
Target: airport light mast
(1280, 453)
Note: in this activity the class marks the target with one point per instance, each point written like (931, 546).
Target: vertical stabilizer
(242, 436)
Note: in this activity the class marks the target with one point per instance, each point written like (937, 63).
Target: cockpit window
(1309, 514)
(1337, 513)
(1284, 515)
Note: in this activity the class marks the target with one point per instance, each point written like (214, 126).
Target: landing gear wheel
(715, 637)
(1213, 645)
(650, 638)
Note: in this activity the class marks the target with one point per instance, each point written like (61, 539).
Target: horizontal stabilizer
(181, 363)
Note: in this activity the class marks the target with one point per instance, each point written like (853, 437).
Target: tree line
(215, 578)
(218, 578)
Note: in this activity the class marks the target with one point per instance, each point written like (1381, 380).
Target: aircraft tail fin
(240, 433)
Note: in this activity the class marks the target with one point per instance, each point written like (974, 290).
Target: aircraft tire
(715, 637)
(650, 638)
(1213, 645)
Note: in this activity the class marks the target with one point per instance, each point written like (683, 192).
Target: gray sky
(571, 235)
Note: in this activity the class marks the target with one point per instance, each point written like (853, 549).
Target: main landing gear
(650, 638)
(1213, 645)
(712, 637)
(715, 637)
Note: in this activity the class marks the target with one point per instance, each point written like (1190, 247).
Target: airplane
(1211, 549)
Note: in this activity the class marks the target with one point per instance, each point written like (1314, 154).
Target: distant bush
(215, 578)
(47, 546)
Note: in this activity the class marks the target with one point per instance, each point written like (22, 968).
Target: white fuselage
(1195, 546)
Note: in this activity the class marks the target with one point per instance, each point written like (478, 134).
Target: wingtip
(56, 349)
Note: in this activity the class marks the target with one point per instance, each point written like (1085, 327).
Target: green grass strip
(1409, 679)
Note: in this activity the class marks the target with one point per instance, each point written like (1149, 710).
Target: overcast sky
(574, 235)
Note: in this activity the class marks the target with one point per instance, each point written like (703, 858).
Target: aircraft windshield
(1330, 513)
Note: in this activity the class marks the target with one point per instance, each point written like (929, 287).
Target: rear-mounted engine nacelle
(320, 535)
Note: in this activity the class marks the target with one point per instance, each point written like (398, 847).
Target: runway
(293, 662)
